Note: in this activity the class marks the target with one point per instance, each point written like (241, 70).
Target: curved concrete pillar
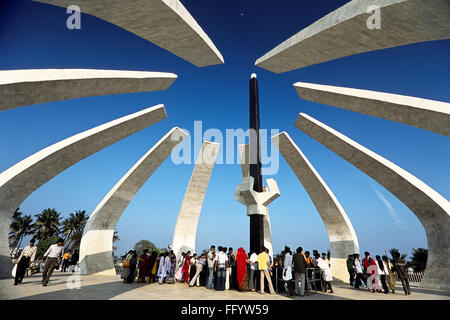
(432, 209)
(31, 86)
(166, 23)
(19, 181)
(343, 240)
(344, 32)
(244, 156)
(421, 113)
(97, 241)
(191, 207)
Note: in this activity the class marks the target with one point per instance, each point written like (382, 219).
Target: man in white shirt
(228, 277)
(253, 268)
(325, 270)
(221, 263)
(358, 270)
(51, 257)
(199, 267)
(210, 259)
(26, 257)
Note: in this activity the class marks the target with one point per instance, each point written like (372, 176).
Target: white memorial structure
(169, 25)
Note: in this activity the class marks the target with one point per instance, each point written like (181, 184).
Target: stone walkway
(63, 286)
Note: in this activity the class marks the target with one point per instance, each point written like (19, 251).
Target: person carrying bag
(126, 266)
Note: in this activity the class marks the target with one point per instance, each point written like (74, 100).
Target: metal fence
(312, 277)
(118, 267)
(414, 278)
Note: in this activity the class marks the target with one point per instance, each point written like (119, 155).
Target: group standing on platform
(216, 270)
(221, 269)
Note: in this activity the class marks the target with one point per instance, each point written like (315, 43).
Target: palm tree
(13, 240)
(68, 226)
(419, 259)
(73, 227)
(73, 223)
(17, 213)
(19, 228)
(47, 224)
(395, 250)
(115, 239)
(75, 239)
(115, 236)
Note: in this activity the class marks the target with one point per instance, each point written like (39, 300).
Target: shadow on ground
(103, 291)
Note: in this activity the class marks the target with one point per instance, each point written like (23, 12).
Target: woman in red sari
(186, 266)
(241, 261)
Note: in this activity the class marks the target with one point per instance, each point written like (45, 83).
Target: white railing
(414, 278)
(118, 267)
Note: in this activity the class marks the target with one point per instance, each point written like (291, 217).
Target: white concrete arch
(19, 181)
(342, 236)
(427, 114)
(431, 208)
(191, 207)
(165, 23)
(97, 241)
(32, 86)
(345, 32)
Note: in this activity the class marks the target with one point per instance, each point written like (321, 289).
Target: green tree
(47, 224)
(75, 240)
(162, 250)
(419, 259)
(73, 227)
(145, 244)
(43, 245)
(13, 240)
(20, 227)
(395, 250)
(74, 223)
(115, 239)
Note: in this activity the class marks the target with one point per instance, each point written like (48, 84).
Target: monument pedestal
(257, 202)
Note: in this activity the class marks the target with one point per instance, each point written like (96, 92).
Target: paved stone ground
(104, 288)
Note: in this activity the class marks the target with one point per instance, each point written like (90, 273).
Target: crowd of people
(300, 266)
(219, 269)
(222, 269)
(379, 274)
(374, 274)
(149, 267)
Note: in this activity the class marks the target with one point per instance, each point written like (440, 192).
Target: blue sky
(34, 35)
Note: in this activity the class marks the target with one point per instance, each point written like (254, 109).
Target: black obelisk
(256, 220)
